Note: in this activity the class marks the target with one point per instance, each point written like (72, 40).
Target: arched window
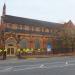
(37, 44)
(10, 41)
(23, 43)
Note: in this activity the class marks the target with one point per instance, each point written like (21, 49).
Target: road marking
(26, 69)
(36, 66)
(42, 65)
(66, 63)
(6, 69)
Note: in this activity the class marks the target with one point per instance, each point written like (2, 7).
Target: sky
(59, 11)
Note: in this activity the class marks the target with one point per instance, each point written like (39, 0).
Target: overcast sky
(48, 10)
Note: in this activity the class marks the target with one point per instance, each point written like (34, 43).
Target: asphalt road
(47, 66)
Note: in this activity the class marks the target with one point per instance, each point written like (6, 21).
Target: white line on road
(31, 68)
(26, 69)
(36, 66)
(5, 70)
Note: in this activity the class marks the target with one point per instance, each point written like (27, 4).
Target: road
(47, 66)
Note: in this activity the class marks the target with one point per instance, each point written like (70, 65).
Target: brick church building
(18, 32)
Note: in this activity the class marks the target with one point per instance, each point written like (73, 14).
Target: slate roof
(24, 21)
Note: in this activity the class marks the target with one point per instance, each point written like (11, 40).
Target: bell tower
(3, 13)
(4, 10)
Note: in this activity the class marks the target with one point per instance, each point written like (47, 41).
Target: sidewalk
(11, 60)
(29, 58)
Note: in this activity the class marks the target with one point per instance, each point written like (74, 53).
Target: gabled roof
(70, 22)
(24, 21)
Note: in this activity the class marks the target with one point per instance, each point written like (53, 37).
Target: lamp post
(3, 44)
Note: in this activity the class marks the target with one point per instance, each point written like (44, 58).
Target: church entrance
(10, 45)
(11, 51)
